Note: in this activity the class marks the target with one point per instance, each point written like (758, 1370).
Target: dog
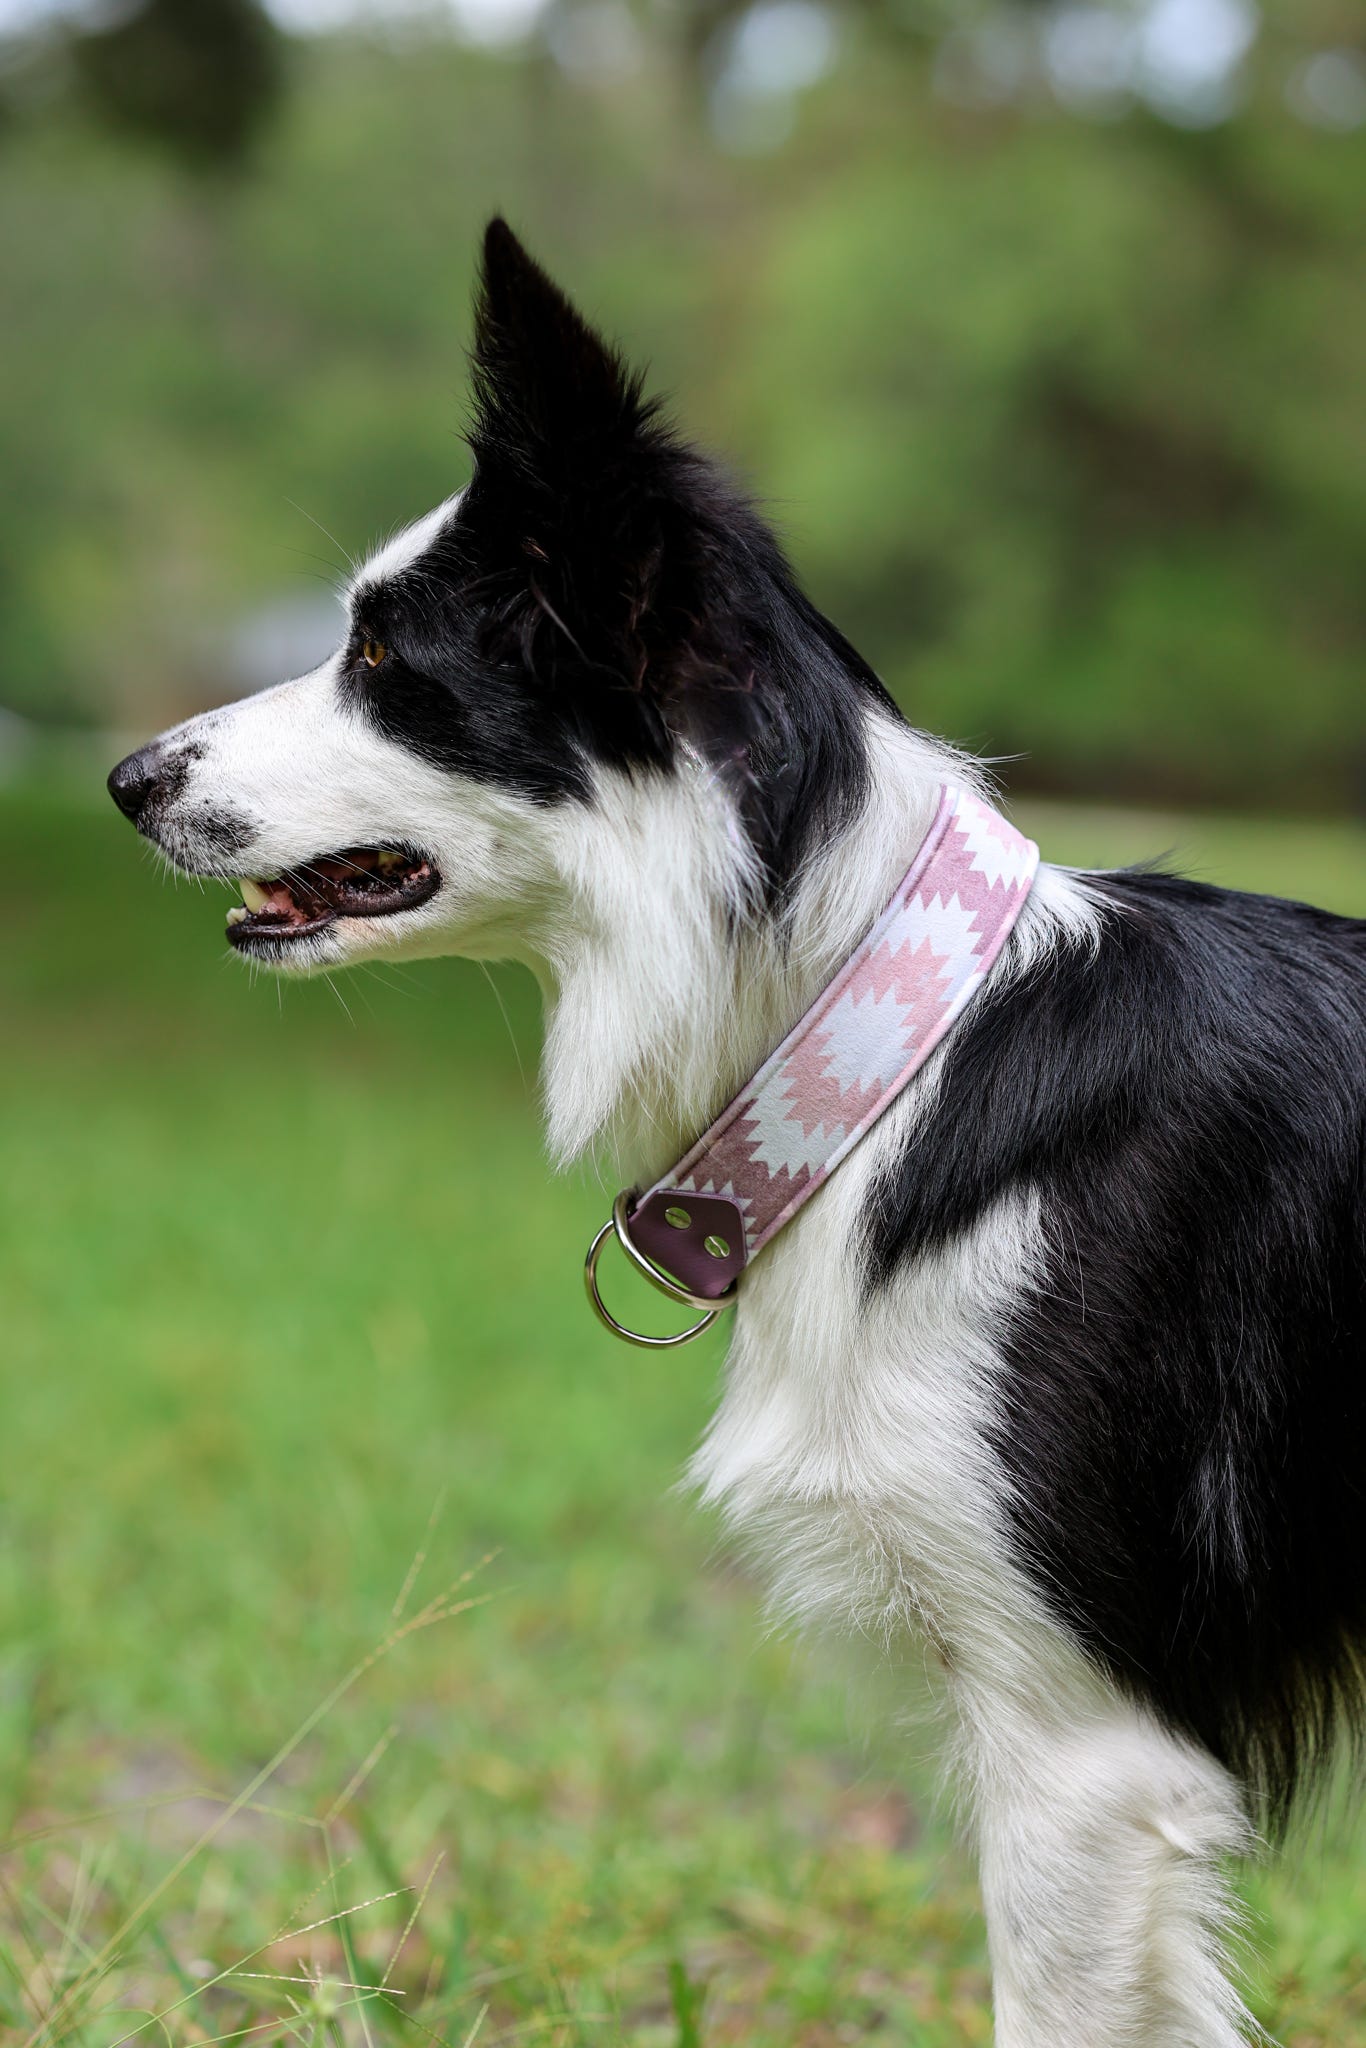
(1064, 1370)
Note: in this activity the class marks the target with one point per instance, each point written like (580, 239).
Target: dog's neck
(667, 988)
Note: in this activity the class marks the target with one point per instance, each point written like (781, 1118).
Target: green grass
(289, 1300)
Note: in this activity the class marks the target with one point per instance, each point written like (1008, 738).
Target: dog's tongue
(279, 903)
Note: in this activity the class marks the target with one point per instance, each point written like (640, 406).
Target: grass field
(295, 1365)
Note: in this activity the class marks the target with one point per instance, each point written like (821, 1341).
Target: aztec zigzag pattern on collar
(850, 1055)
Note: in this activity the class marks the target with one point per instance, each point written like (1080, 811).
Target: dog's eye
(372, 652)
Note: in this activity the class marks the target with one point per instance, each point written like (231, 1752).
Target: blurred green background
(1038, 330)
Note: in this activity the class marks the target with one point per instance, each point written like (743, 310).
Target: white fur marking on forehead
(398, 553)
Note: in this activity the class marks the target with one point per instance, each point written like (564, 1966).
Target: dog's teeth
(237, 914)
(253, 895)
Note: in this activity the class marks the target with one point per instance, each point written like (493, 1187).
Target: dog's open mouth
(361, 881)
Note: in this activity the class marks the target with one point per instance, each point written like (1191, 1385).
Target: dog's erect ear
(584, 506)
(549, 392)
(614, 564)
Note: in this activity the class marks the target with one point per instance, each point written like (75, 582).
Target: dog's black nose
(134, 780)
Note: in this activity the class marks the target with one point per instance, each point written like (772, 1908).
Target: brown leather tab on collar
(699, 1240)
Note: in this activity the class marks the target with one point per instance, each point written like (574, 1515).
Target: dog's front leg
(1101, 1841)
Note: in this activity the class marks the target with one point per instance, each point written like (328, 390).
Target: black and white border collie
(1065, 1369)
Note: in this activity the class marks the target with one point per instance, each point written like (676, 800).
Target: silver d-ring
(616, 1225)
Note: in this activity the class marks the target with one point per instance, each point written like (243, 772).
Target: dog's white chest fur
(852, 1439)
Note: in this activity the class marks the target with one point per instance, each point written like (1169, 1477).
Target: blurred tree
(199, 77)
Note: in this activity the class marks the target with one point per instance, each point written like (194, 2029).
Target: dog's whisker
(502, 1008)
(390, 976)
(349, 559)
(340, 998)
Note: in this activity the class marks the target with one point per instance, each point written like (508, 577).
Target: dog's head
(597, 628)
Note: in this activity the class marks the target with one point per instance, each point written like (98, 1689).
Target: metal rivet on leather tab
(717, 1246)
(679, 1218)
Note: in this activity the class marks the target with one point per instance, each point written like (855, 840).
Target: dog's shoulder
(1182, 1011)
